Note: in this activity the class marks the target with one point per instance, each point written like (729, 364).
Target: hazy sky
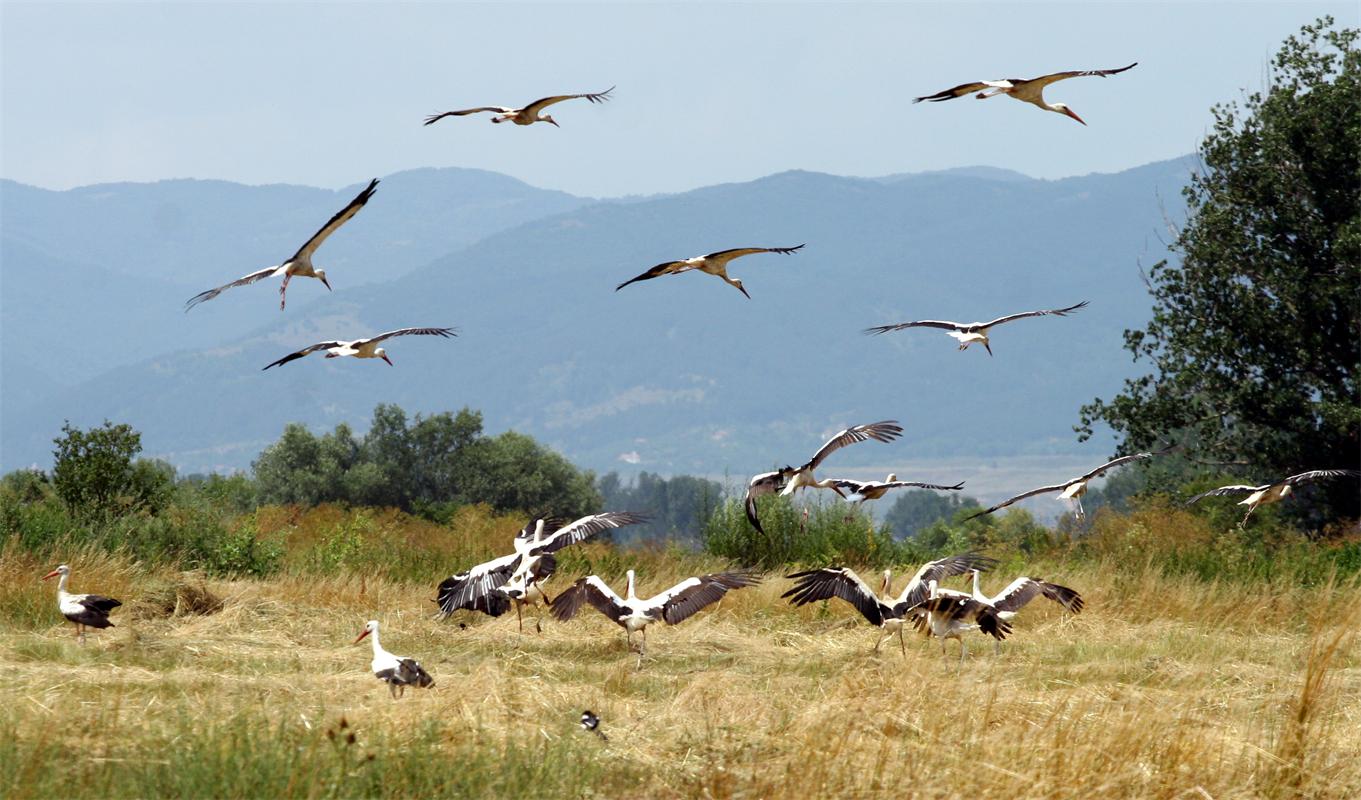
(331, 94)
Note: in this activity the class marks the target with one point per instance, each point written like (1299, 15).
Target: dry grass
(1161, 688)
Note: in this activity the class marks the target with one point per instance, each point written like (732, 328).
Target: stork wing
(469, 589)
(466, 111)
(918, 590)
(688, 597)
(585, 528)
(962, 608)
(958, 91)
(848, 487)
(884, 431)
(921, 323)
(664, 268)
(916, 485)
(203, 297)
(724, 256)
(335, 222)
(445, 332)
(1045, 80)
(1313, 475)
(829, 582)
(1223, 490)
(588, 590)
(1023, 590)
(411, 673)
(1115, 463)
(750, 506)
(1061, 312)
(1055, 488)
(303, 352)
(99, 603)
(544, 102)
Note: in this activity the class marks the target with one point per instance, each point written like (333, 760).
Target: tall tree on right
(1255, 340)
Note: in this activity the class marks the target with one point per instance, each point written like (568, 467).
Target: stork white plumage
(860, 491)
(398, 672)
(361, 348)
(713, 264)
(300, 265)
(1026, 90)
(528, 115)
(1021, 591)
(85, 610)
(967, 333)
(1269, 493)
(948, 614)
(1072, 489)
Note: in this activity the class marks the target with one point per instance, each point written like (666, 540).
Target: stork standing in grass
(948, 614)
(1269, 493)
(713, 264)
(85, 610)
(398, 672)
(967, 333)
(528, 115)
(1026, 90)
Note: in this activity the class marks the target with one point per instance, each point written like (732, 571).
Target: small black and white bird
(361, 348)
(528, 115)
(713, 264)
(300, 265)
(1027, 91)
(886, 612)
(85, 610)
(590, 722)
(1072, 489)
(967, 333)
(1269, 493)
(860, 491)
(398, 672)
(948, 614)
(673, 606)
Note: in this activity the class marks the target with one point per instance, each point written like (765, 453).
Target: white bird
(860, 491)
(1027, 91)
(967, 333)
(527, 115)
(760, 485)
(361, 348)
(85, 610)
(530, 565)
(673, 606)
(948, 614)
(398, 672)
(300, 265)
(1021, 591)
(1272, 492)
(887, 612)
(1070, 489)
(713, 264)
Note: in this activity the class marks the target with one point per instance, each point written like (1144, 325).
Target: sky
(329, 95)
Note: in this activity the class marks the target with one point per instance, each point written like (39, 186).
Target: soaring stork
(361, 348)
(398, 672)
(967, 333)
(1027, 91)
(530, 565)
(788, 480)
(1072, 489)
(887, 612)
(1272, 492)
(528, 115)
(948, 614)
(713, 263)
(85, 610)
(860, 491)
(300, 265)
(673, 606)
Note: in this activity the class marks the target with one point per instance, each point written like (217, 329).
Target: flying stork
(860, 491)
(948, 614)
(361, 348)
(1027, 91)
(673, 606)
(887, 612)
(713, 263)
(398, 672)
(1071, 489)
(1272, 492)
(967, 333)
(528, 115)
(85, 610)
(300, 265)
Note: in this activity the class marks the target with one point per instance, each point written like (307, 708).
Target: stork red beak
(361, 636)
(1070, 113)
(385, 358)
(328, 283)
(54, 573)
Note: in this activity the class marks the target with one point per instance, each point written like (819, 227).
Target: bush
(837, 532)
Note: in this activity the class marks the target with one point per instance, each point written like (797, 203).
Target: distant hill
(683, 374)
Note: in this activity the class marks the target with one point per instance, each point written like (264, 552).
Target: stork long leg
(283, 289)
(518, 618)
(884, 633)
(902, 642)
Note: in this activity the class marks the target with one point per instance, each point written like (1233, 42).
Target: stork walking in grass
(398, 672)
(528, 115)
(1269, 493)
(713, 264)
(300, 265)
(948, 614)
(1072, 489)
(967, 333)
(1027, 91)
(85, 610)
(361, 348)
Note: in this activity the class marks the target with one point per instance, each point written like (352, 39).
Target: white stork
(887, 612)
(1021, 591)
(528, 115)
(361, 348)
(529, 566)
(713, 264)
(1272, 492)
(398, 672)
(860, 491)
(673, 606)
(948, 614)
(967, 333)
(300, 265)
(85, 610)
(1027, 91)
(1070, 489)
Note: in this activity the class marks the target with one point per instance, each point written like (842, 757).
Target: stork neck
(61, 582)
(377, 648)
(976, 593)
(628, 591)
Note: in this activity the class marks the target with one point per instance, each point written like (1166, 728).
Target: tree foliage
(97, 473)
(915, 509)
(679, 507)
(1254, 339)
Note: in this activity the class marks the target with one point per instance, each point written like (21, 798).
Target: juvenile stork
(886, 612)
(948, 614)
(713, 264)
(967, 333)
(361, 348)
(300, 265)
(673, 606)
(1272, 492)
(1027, 91)
(1071, 489)
(398, 672)
(528, 115)
(85, 610)
(860, 491)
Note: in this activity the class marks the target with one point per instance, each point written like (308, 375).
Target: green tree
(1254, 339)
(916, 509)
(96, 472)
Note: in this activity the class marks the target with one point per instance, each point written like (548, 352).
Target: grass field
(1162, 687)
